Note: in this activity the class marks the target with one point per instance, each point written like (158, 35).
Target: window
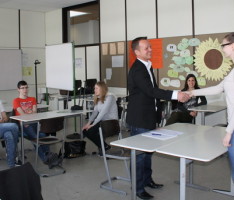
(81, 24)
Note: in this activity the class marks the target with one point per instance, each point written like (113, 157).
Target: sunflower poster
(201, 56)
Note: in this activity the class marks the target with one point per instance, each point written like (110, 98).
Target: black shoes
(145, 195)
(154, 185)
(53, 160)
(107, 147)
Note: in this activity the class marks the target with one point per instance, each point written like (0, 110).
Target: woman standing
(225, 86)
(105, 109)
(182, 114)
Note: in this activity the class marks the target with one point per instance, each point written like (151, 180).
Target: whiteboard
(60, 66)
(10, 68)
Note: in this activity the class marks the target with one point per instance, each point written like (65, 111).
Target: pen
(156, 134)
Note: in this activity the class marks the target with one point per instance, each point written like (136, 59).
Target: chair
(109, 128)
(89, 86)
(21, 183)
(77, 88)
(50, 127)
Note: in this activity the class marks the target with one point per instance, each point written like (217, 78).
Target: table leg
(230, 193)
(133, 173)
(81, 125)
(190, 179)
(22, 141)
(38, 129)
(203, 118)
(182, 178)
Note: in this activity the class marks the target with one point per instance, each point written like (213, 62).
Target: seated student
(182, 114)
(10, 133)
(24, 105)
(105, 108)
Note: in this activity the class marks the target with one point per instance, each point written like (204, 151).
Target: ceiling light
(77, 13)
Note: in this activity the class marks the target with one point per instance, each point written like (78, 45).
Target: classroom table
(36, 117)
(202, 143)
(212, 107)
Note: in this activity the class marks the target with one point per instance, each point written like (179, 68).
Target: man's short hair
(21, 83)
(135, 42)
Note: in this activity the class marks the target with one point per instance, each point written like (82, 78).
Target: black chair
(109, 128)
(89, 86)
(69, 94)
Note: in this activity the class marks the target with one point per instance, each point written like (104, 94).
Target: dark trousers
(179, 117)
(143, 164)
(93, 135)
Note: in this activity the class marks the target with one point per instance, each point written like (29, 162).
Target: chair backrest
(110, 128)
(78, 84)
(51, 125)
(89, 86)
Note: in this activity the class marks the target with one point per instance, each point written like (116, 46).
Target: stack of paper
(162, 134)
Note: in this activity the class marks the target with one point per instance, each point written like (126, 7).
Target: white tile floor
(83, 176)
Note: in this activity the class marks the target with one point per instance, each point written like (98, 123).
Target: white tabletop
(208, 108)
(143, 143)
(48, 115)
(204, 145)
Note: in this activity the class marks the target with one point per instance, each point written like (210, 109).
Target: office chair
(109, 128)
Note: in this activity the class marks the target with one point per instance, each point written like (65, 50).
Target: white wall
(112, 20)
(141, 19)
(9, 28)
(53, 27)
(174, 18)
(213, 16)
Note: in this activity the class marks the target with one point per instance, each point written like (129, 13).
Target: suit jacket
(20, 183)
(141, 110)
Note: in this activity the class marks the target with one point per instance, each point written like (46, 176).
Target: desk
(202, 143)
(212, 107)
(36, 117)
(40, 108)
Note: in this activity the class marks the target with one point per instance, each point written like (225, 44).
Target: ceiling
(39, 5)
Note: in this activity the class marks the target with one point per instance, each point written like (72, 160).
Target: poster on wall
(201, 56)
(157, 54)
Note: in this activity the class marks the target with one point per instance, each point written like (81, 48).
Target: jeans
(231, 156)
(30, 132)
(10, 132)
(143, 164)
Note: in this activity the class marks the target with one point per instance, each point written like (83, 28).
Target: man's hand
(183, 97)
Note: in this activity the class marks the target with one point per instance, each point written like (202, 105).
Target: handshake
(184, 96)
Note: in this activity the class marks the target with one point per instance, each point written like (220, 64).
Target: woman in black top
(182, 114)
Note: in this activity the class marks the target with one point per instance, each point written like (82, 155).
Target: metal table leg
(133, 173)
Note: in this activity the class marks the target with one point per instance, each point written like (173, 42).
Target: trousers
(10, 133)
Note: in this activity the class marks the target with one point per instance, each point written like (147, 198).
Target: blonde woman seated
(105, 108)
(182, 114)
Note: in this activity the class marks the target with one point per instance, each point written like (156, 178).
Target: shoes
(154, 185)
(53, 160)
(145, 195)
(18, 163)
(107, 147)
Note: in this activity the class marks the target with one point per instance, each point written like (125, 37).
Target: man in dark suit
(141, 115)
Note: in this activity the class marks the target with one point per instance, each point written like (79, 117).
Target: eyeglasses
(24, 88)
(223, 45)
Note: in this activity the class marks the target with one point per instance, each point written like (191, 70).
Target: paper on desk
(162, 134)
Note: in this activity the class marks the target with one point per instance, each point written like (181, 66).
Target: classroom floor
(84, 175)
